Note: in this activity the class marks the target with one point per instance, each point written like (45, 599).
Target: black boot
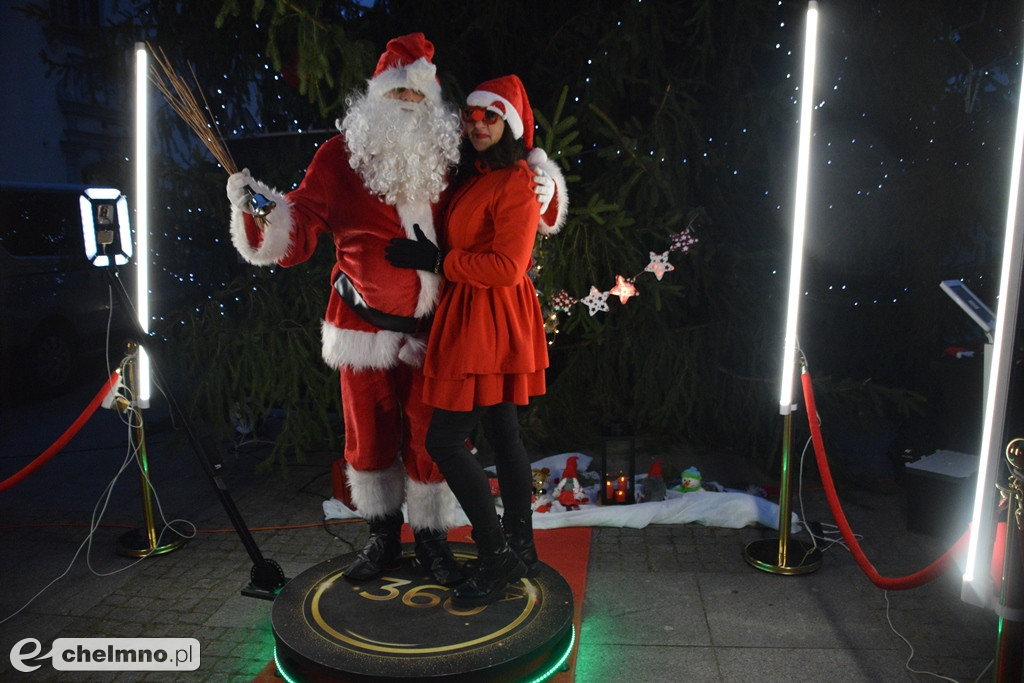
(434, 555)
(496, 566)
(519, 532)
(383, 550)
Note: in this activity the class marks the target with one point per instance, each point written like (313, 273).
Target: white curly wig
(403, 151)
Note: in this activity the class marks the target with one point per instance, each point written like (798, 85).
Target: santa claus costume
(382, 175)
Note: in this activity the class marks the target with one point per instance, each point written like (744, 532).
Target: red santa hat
(506, 96)
(655, 469)
(406, 63)
(570, 468)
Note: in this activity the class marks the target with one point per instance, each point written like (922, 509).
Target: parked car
(56, 303)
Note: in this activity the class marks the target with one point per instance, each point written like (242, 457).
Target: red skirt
(462, 395)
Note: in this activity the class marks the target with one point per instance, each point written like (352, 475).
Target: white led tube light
(977, 587)
(800, 213)
(142, 214)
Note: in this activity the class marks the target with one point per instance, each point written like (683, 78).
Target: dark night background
(664, 115)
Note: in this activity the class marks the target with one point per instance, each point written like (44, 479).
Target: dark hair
(505, 152)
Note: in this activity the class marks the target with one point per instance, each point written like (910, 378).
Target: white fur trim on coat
(430, 506)
(361, 350)
(420, 76)
(375, 493)
(507, 111)
(538, 161)
(277, 234)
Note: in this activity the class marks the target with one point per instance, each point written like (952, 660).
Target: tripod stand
(266, 576)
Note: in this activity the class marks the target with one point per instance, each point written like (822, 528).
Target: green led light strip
(538, 679)
(561, 660)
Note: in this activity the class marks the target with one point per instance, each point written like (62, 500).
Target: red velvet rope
(914, 580)
(64, 438)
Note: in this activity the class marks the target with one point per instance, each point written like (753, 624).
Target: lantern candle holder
(618, 470)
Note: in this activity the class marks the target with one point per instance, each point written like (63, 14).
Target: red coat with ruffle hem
(487, 344)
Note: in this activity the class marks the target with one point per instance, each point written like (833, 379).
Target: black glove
(420, 253)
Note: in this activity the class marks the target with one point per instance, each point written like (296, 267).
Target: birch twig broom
(178, 93)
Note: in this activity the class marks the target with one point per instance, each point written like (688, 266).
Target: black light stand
(266, 576)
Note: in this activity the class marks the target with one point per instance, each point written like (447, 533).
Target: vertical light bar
(977, 587)
(800, 214)
(142, 214)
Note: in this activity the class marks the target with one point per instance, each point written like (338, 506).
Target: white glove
(238, 195)
(544, 188)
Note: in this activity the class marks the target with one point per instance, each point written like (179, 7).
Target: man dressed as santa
(383, 176)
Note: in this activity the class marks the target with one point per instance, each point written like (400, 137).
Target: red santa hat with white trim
(506, 96)
(406, 63)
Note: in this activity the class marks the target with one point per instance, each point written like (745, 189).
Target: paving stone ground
(663, 603)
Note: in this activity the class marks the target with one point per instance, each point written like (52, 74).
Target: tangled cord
(132, 419)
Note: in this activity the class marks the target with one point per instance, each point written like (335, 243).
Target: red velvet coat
(487, 343)
(333, 200)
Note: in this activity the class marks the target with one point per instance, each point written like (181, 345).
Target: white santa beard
(402, 151)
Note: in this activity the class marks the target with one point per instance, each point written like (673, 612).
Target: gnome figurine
(568, 492)
(654, 484)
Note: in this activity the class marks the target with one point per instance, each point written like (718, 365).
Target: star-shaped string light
(563, 302)
(682, 241)
(624, 288)
(596, 300)
(659, 264)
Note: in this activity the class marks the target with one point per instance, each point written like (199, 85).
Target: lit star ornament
(659, 264)
(623, 289)
(596, 300)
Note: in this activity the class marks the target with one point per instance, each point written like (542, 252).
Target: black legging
(446, 443)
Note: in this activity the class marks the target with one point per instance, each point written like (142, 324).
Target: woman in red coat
(487, 351)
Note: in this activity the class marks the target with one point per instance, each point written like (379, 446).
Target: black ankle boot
(434, 555)
(519, 532)
(383, 550)
(519, 535)
(496, 566)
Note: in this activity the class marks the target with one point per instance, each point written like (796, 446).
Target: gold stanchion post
(1010, 639)
(142, 542)
(785, 556)
(788, 556)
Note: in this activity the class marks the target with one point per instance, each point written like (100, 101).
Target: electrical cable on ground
(910, 657)
(850, 540)
(132, 418)
(818, 534)
(99, 509)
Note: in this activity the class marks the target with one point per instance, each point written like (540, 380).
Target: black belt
(385, 321)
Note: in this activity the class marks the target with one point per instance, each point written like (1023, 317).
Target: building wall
(54, 131)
